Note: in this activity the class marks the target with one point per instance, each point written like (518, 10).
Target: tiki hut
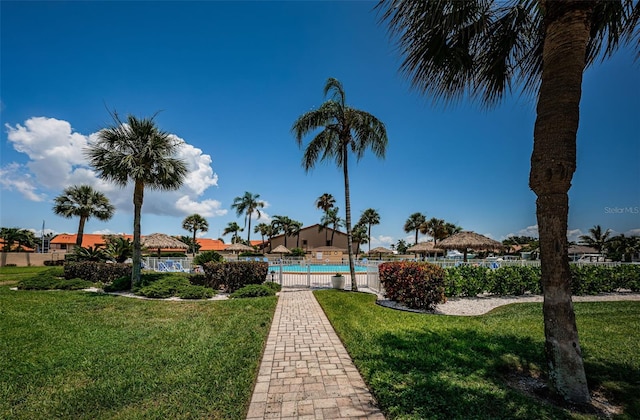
(161, 241)
(425, 248)
(239, 247)
(280, 249)
(466, 240)
(380, 250)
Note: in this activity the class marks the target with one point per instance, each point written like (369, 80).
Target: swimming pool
(317, 268)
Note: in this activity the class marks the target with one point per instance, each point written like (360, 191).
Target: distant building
(310, 238)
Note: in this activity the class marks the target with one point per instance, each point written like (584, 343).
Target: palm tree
(140, 152)
(84, 202)
(233, 228)
(413, 223)
(369, 218)
(284, 224)
(264, 229)
(360, 236)
(247, 205)
(344, 130)
(118, 248)
(332, 219)
(325, 202)
(195, 223)
(296, 227)
(479, 49)
(623, 248)
(596, 238)
(16, 235)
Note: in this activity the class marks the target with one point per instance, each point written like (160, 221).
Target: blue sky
(230, 78)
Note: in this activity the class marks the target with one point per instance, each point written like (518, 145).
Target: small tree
(195, 223)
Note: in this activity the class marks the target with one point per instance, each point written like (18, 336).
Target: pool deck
(306, 373)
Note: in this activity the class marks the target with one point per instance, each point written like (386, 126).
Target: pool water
(329, 268)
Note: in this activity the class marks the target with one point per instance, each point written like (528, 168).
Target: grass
(443, 367)
(9, 276)
(81, 355)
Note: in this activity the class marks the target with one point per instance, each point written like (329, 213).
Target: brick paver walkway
(306, 372)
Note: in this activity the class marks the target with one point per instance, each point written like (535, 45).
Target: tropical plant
(138, 151)
(622, 248)
(118, 248)
(369, 217)
(332, 219)
(195, 223)
(296, 227)
(344, 130)
(402, 246)
(285, 225)
(596, 238)
(325, 202)
(90, 253)
(22, 237)
(233, 228)
(248, 204)
(84, 202)
(413, 224)
(264, 229)
(480, 50)
(360, 236)
(438, 229)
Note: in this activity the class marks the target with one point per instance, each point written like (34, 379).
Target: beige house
(310, 238)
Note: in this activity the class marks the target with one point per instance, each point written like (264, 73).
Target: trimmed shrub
(253, 290)
(231, 276)
(417, 285)
(196, 292)
(96, 272)
(51, 280)
(162, 286)
(273, 286)
(514, 280)
(51, 263)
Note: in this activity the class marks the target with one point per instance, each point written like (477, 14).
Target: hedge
(231, 276)
(417, 285)
(96, 272)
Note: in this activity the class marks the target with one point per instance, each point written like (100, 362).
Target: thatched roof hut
(380, 250)
(466, 240)
(239, 247)
(425, 248)
(161, 241)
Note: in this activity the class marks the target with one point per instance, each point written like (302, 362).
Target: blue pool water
(329, 268)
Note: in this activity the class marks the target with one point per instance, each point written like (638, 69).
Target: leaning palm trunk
(556, 126)
(347, 202)
(80, 231)
(136, 258)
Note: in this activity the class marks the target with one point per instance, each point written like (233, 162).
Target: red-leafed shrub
(417, 285)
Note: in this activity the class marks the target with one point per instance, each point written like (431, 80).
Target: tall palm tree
(233, 228)
(84, 202)
(369, 218)
(248, 204)
(296, 227)
(596, 238)
(16, 235)
(331, 218)
(344, 130)
(264, 229)
(413, 224)
(138, 151)
(325, 202)
(195, 223)
(284, 224)
(360, 236)
(434, 227)
(479, 49)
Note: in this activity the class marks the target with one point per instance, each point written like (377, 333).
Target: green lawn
(442, 367)
(79, 355)
(9, 276)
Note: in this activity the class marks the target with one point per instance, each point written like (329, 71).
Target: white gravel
(483, 304)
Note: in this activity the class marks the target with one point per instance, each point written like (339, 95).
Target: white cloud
(528, 231)
(573, 235)
(381, 240)
(56, 161)
(633, 232)
(14, 177)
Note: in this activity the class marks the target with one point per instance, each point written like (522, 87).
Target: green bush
(118, 285)
(471, 280)
(50, 263)
(51, 280)
(417, 285)
(514, 280)
(253, 290)
(170, 285)
(96, 272)
(231, 276)
(273, 286)
(297, 252)
(207, 256)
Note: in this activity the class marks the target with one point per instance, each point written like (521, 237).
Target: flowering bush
(417, 285)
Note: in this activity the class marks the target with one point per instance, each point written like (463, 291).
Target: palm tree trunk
(138, 196)
(553, 162)
(347, 203)
(249, 231)
(194, 242)
(80, 230)
(369, 231)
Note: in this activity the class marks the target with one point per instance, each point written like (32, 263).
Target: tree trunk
(194, 241)
(80, 235)
(347, 202)
(138, 196)
(249, 231)
(369, 231)
(553, 162)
